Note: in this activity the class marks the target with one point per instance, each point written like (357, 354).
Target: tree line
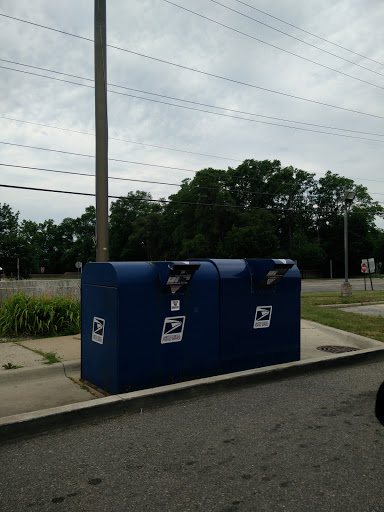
(256, 210)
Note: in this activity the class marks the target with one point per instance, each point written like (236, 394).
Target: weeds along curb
(51, 357)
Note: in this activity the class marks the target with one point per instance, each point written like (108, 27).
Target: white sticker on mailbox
(175, 305)
(262, 317)
(98, 330)
(173, 329)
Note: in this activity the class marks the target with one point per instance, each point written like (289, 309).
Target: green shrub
(21, 315)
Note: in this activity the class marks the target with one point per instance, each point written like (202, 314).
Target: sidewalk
(39, 391)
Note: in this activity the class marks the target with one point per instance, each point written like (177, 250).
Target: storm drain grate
(337, 349)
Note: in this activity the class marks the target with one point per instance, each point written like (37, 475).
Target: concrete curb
(31, 423)
(351, 305)
(22, 374)
(345, 336)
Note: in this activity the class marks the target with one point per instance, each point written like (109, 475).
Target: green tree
(329, 199)
(30, 248)
(9, 239)
(77, 240)
(203, 206)
(134, 222)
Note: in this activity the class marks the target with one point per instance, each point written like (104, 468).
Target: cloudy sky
(248, 51)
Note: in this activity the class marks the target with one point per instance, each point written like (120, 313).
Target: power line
(297, 38)
(124, 140)
(46, 27)
(87, 175)
(133, 162)
(232, 80)
(199, 187)
(146, 181)
(46, 69)
(273, 45)
(247, 119)
(172, 184)
(245, 112)
(92, 156)
(201, 72)
(89, 194)
(182, 100)
(45, 76)
(310, 33)
(145, 199)
(207, 111)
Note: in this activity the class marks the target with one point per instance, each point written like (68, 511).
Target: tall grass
(365, 325)
(21, 315)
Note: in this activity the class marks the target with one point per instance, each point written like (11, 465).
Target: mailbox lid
(251, 275)
(280, 275)
(133, 277)
(234, 275)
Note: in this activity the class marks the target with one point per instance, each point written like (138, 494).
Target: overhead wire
(142, 199)
(273, 45)
(239, 82)
(200, 187)
(310, 33)
(93, 156)
(296, 38)
(75, 173)
(182, 100)
(199, 71)
(90, 194)
(46, 27)
(122, 140)
(208, 111)
(231, 80)
(247, 178)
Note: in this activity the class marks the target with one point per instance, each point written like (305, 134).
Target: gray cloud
(160, 30)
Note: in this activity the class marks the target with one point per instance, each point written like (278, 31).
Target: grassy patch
(365, 325)
(50, 357)
(21, 315)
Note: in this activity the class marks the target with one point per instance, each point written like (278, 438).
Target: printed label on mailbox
(262, 317)
(98, 330)
(173, 329)
(175, 305)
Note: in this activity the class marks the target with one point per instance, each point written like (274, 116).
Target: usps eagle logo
(173, 329)
(262, 317)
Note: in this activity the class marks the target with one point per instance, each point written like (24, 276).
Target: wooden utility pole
(101, 118)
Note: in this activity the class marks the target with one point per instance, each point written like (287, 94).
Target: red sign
(364, 268)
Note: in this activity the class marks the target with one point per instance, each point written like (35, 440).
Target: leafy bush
(22, 315)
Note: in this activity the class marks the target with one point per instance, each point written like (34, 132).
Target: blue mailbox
(147, 324)
(259, 312)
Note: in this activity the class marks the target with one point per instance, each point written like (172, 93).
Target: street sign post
(79, 267)
(368, 267)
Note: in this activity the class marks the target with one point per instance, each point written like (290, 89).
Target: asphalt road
(326, 285)
(305, 444)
